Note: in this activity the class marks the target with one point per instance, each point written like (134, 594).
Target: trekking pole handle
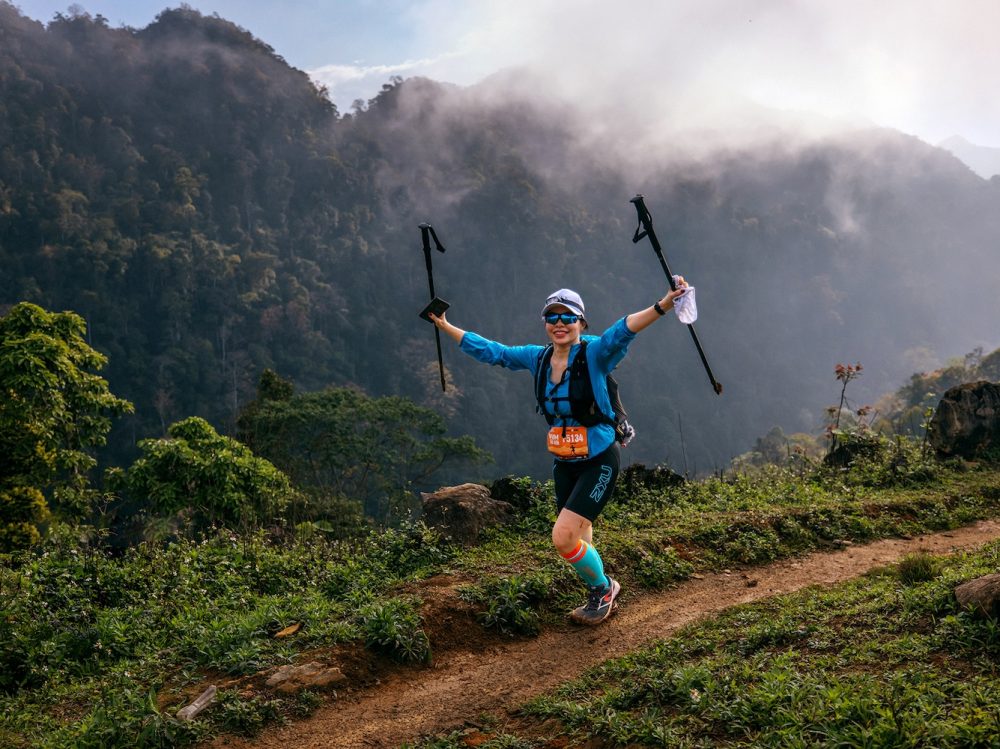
(646, 225)
(426, 234)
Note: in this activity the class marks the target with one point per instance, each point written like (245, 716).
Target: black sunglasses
(564, 318)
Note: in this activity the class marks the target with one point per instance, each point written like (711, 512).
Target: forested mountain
(210, 213)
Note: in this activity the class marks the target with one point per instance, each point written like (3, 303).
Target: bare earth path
(462, 686)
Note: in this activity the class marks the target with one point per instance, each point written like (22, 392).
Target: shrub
(209, 479)
(918, 568)
(247, 716)
(520, 492)
(393, 628)
(874, 460)
(511, 602)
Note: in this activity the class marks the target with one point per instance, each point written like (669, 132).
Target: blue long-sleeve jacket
(604, 352)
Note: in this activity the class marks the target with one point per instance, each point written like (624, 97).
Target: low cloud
(347, 83)
(926, 68)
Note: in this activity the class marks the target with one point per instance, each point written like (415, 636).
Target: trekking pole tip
(717, 386)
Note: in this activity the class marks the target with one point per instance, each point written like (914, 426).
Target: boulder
(981, 594)
(312, 675)
(966, 423)
(463, 512)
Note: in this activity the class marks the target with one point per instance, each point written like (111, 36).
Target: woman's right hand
(442, 323)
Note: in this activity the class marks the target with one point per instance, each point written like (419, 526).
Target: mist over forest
(211, 214)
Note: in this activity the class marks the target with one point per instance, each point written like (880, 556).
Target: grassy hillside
(101, 650)
(889, 659)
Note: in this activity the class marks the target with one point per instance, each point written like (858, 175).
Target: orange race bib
(568, 442)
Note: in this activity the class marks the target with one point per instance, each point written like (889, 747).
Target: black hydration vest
(582, 404)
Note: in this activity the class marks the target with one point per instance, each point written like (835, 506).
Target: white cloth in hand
(684, 305)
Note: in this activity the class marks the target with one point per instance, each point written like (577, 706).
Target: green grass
(653, 540)
(882, 661)
(887, 660)
(100, 648)
(94, 646)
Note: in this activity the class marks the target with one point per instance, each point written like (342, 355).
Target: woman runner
(586, 455)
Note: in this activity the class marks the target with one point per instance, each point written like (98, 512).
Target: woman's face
(561, 332)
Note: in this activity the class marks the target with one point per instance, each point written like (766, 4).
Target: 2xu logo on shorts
(602, 484)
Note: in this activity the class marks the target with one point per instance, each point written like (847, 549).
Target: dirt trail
(461, 686)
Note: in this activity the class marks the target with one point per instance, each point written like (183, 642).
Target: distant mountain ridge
(210, 213)
(983, 160)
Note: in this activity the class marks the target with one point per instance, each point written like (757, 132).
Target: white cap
(567, 298)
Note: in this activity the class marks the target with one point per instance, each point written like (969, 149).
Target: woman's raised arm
(644, 318)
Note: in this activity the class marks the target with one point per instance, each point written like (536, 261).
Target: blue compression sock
(587, 563)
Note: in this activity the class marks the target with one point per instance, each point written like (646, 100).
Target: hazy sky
(925, 67)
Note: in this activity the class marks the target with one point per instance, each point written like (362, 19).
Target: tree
(53, 412)
(205, 479)
(372, 450)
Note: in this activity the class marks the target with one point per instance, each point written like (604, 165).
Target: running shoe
(601, 602)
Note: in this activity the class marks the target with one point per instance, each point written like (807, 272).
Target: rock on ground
(312, 675)
(967, 421)
(981, 594)
(463, 512)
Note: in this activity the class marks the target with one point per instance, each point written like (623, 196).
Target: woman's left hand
(673, 294)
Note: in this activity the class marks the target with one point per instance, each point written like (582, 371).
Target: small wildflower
(695, 695)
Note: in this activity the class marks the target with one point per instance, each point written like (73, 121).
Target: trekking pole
(646, 225)
(426, 232)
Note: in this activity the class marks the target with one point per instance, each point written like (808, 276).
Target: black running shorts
(586, 486)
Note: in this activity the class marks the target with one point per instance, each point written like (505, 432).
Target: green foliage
(878, 461)
(315, 510)
(475, 737)
(519, 491)
(386, 557)
(247, 716)
(206, 478)
(348, 444)
(918, 568)
(875, 459)
(53, 412)
(777, 448)
(655, 539)
(658, 568)
(869, 663)
(530, 499)
(81, 626)
(22, 510)
(908, 410)
(393, 627)
(510, 604)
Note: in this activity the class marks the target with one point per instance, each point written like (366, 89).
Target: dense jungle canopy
(210, 214)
